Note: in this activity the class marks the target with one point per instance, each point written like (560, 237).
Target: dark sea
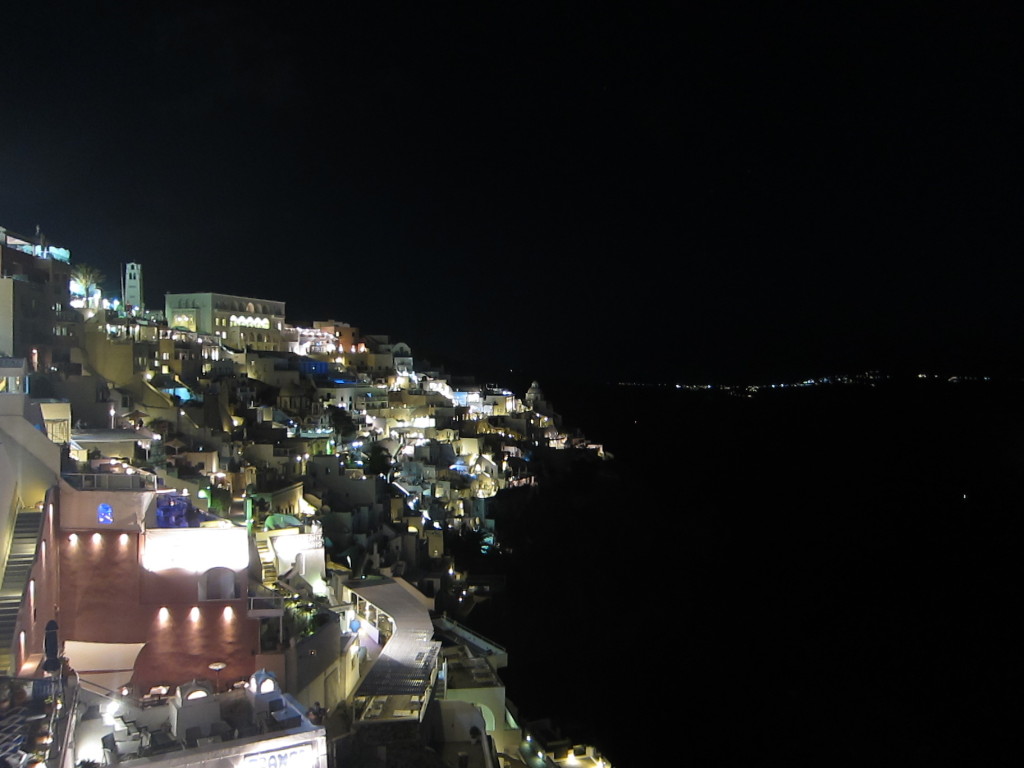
(802, 576)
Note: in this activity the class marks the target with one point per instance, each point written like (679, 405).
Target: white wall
(78, 508)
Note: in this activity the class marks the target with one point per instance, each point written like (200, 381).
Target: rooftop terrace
(195, 726)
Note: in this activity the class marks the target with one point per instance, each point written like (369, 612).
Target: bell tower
(133, 297)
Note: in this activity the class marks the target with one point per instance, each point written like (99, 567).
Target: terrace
(196, 724)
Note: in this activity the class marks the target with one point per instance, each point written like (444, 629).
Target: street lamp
(111, 415)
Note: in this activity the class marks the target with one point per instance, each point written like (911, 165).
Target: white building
(240, 322)
(133, 294)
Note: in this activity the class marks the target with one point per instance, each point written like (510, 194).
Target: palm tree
(87, 276)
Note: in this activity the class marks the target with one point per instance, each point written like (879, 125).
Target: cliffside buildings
(224, 539)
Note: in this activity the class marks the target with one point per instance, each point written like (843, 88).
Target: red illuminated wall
(106, 596)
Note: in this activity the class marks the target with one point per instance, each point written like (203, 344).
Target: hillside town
(227, 540)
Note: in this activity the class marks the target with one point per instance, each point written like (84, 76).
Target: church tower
(133, 287)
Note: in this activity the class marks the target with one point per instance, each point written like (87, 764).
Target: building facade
(133, 292)
(240, 322)
(36, 321)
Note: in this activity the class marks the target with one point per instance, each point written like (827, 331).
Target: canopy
(278, 520)
(107, 664)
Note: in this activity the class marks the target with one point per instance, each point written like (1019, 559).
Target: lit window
(104, 514)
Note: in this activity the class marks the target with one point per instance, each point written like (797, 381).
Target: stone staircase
(19, 565)
(267, 560)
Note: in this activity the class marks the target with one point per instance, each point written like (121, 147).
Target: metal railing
(62, 722)
(111, 481)
(263, 599)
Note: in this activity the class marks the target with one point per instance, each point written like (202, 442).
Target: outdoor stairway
(19, 564)
(267, 560)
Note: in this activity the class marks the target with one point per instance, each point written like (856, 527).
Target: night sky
(716, 194)
(707, 192)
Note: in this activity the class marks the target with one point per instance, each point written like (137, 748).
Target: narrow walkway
(407, 662)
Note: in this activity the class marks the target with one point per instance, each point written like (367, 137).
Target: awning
(110, 665)
(55, 411)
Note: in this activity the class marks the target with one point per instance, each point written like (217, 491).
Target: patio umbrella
(175, 444)
(278, 520)
(136, 414)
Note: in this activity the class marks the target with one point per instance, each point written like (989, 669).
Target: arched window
(104, 514)
(217, 584)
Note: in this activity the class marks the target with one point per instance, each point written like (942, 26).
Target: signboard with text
(293, 756)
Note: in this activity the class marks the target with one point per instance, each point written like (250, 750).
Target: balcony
(111, 481)
(265, 606)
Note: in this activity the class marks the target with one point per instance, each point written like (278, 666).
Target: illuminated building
(345, 334)
(29, 467)
(119, 539)
(149, 598)
(111, 538)
(132, 294)
(241, 322)
(36, 321)
(61, 721)
(165, 611)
